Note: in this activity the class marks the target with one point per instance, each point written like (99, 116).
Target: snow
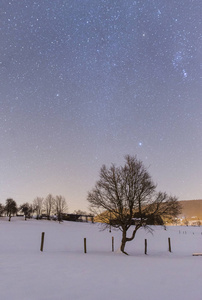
(63, 271)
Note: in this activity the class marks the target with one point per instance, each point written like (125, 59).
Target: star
(184, 73)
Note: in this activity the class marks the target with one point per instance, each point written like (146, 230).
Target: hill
(191, 209)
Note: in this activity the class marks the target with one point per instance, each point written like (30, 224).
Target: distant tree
(176, 221)
(37, 206)
(1, 210)
(80, 212)
(10, 208)
(60, 206)
(185, 222)
(198, 223)
(126, 195)
(27, 209)
(48, 204)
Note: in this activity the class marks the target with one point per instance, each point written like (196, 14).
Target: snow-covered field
(62, 271)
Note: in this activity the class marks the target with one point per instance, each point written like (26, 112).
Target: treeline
(50, 207)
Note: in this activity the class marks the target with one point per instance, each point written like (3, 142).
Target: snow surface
(63, 271)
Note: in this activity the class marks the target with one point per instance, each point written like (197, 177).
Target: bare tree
(37, 206)
(48, 205)
(10, 208)
(60, 206)
(1, 209)
(27, 209)
(126, 196)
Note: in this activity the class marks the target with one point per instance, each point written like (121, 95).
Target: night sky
(85, 82)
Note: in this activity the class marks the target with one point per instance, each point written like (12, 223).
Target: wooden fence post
(85, 249)
(112, 244)
(42, 241)
(169, 245)
(145, 246)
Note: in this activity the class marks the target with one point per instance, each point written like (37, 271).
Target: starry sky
(85, 82)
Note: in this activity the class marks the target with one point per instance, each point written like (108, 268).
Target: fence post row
(85, 244)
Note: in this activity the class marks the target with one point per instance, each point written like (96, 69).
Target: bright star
(184, 73)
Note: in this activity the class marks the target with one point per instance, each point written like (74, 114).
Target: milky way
(84, 83)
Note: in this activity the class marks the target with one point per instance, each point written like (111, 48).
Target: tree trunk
(123, 241)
